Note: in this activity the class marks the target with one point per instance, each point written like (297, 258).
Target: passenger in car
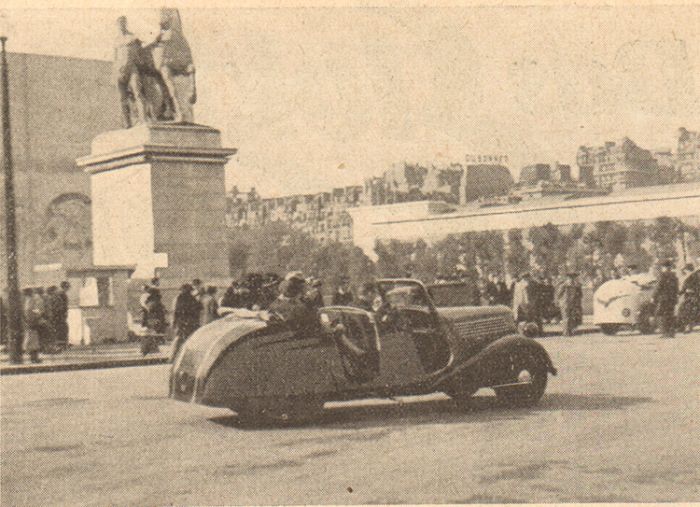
(290, 306)
(367, 296)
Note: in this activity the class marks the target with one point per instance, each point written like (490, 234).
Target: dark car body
(408, 346)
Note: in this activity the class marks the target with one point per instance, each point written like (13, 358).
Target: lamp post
(14, 302)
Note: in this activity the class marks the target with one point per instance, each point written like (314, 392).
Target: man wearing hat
(689, 309)
(289, 306)
(314, 296)
(343, 295)
(186, 317)
(570, 296)
(665, 298)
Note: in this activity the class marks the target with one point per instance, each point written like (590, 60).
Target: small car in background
(263, 368)
(625, 303)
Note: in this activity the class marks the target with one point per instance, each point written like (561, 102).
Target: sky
(321, 97)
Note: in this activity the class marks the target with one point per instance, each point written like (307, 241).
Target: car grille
(471, 329)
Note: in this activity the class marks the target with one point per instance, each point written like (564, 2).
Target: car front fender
(479, 368)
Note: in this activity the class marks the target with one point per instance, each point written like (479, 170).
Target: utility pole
(14, 302)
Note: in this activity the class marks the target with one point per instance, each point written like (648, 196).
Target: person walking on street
(665, 298)
(33, 321)
(689, 308)
(62, 314)
(503, 293)
(197, 289)
(186, 317)
(210, 308)
(39, 296)
(53, 316)
(154, 321)
(521, 298)
(570, 296)
(538, 303)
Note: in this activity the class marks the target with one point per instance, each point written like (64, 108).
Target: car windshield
(452, 294)
(403, 293)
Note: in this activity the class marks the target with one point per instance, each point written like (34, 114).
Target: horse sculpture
(156, 82)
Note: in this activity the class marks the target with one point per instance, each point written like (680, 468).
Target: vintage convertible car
(262, 367)
(625, 304)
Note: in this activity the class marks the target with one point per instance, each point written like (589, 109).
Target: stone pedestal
(159, 201)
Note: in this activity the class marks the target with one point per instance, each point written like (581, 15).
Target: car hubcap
(524, 377)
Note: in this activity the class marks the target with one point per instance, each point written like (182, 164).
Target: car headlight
(184, 383)
(626, 312)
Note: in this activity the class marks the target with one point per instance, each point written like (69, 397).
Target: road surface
(619, 424)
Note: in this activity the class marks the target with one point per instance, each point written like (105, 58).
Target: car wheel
(526, 380)
(609, 329)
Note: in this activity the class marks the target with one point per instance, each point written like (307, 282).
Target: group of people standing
(194, 306)
(295, 299)
(536, 300)
(44, 319)
(671, 293)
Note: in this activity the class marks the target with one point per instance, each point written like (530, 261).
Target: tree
(394, 257)
(517, 256)
(549, 248)
(634, 252)
(490, 251)
(663, 234)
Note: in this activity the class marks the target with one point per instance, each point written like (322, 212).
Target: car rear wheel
(525, 380)
(609, 329)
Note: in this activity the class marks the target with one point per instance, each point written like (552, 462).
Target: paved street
(619, 424)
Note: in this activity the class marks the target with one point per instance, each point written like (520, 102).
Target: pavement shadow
(478, 410)
(569, 401)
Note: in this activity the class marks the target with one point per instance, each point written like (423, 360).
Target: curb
(88, 365)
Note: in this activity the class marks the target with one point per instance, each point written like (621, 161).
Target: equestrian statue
(156, 81)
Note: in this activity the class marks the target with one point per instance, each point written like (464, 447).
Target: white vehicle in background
(625, 304)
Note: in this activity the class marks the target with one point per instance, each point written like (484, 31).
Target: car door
(399, 345)
(413, 341)
(356, 361)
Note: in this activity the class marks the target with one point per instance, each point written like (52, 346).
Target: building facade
(534, 173)
(57, 105)
(617, 165)
(688, 155)
(322, 215)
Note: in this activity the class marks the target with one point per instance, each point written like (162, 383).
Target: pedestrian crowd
(535, 300)
(44, 320)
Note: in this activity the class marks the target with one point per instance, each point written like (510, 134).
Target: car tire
(609, 329)
(526, 394)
